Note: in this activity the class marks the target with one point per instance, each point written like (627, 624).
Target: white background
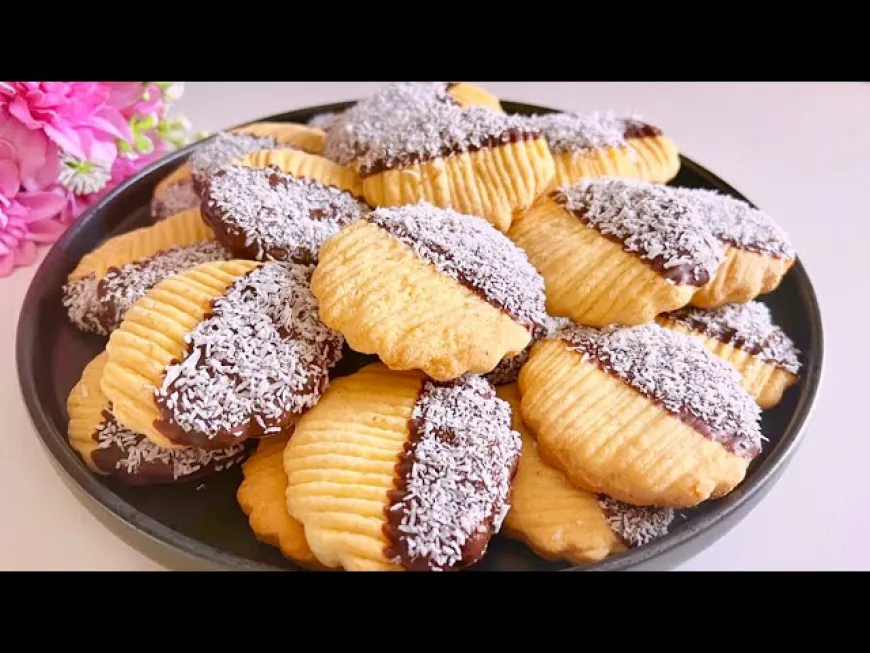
(800, 151)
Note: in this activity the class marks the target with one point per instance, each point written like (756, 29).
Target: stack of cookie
(565, 349)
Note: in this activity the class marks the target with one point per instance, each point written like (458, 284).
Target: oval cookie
(392, 471)
(429, 289)
(220, 353)
(643, 414)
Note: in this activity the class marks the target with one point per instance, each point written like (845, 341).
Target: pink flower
(26, 219)
(74, 115)
(29, 152)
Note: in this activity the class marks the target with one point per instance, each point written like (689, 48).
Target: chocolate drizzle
(453, 477)
(656, 223)
(677, 373)
(134, 459)
(748, 327)
(474, 253)
(267, 214)
(99, 305)
(635, 525)
(256, 362)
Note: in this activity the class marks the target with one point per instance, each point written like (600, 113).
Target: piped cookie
(220, 353)
(643, 414)
(617, 251)
(267, 214)
(392, 471)
(107, 281)
(110, 449)
(508, 368)
(559, 521)
(601, 144)
(429, 289)
(745, 336)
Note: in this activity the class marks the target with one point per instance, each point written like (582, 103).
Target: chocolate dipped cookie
(429, 289)
(617, 251)
(263, 213)
(220, 353)
(392, 471)
(107, 281)
(600, 144)
(559, 521)
(643, 414)
(110, 449)
(745, 336)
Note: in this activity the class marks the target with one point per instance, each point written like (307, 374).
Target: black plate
(201, 525)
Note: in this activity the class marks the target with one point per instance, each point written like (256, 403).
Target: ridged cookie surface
(642, 414)
(306, 166)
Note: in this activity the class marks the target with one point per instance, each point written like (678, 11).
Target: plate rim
(164, 536)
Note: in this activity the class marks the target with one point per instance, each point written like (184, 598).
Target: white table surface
(800, 151)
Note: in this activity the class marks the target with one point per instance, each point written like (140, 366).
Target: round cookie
(600, 144)
(220, 353)
(176, 198)
(758, 251)
(429, 289)
(109, 449)
(617, 251)
(473, 160)
(266, 214)
(107, 281)
(262, 497)
(363, 124)
(745, 336)
(643, 414)
(561, 522)
(393, 471)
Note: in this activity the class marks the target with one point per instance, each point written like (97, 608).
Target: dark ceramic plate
(199, 525)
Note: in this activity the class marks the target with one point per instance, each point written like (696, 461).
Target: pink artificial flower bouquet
(63, 145)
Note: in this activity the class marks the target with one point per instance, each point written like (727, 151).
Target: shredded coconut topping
(263, 355)
(225, 148)
(471, 251)
(324, 121)
(508, 368)
(265, 213)
(124, 453)
(366, 122)
(740, 225)
(678, 373)
(575, 132)
(635, 525)
(176, 198)
(658, 223)
(99, 305)
(746, 326)
(463, 457)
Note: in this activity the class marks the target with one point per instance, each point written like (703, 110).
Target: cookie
(473, 160)
(324, 121)
(745, 336)
(266, 214)
(107, 281)
(366, 122)
(175, 198)
(617, 251)
(561, 522)
(600, 144)
(429, 289)
(262, 497)
(306, 166)
(758, 251)
(307, 138)
(643, 414)
(508, 368)
(392, 471)
(220, 353)
(109, 449)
